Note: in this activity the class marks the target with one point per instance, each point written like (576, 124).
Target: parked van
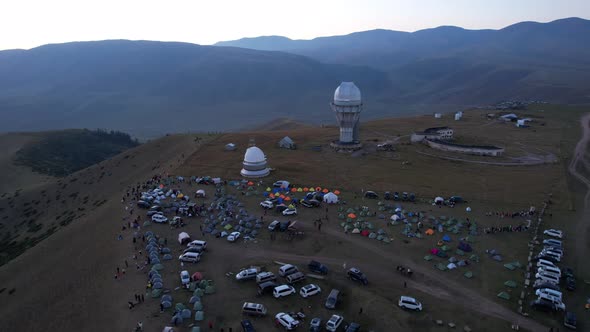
(556, 301)
(191, 257)
(253, 309)
(198, 244)
(550, 269)
(551, 292)
(552, 254)
(264, 277)
(552, 242)
(295, 277)
(287, 269)
(332, 299)
(266, 287)
(548, 273)
(544, 262)
(547, 278)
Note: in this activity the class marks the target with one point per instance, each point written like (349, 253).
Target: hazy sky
(29, 23)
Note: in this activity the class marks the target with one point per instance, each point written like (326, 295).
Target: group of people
(505, 229)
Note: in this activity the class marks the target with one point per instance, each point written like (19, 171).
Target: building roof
(347, 94)
(484, 147)
(435, 129)
(287, 139)
(254, 155)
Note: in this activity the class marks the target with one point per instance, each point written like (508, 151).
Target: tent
(365, 233)
(184, 238)
(465, 247)
(439, 200)
(197, 276)
(200, 193)
(429, 231)
(446, 238)
(287, 143)
(230, 147)
(330, 198)
(395, 217)
(351, 215)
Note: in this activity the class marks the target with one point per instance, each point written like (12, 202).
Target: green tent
(460, 252)
(428, 258)
(198, 292)
(510, 267)
(474, 258)
(199, 316)
(146, 224)
(468, 274)
(180, 307)
(156, 293)
(510, 283)
(441, 266)
(198, 306)
(350, 210)
(228, 227)
(504, 295)
(210, 289)
(516, 264)
(445, 248)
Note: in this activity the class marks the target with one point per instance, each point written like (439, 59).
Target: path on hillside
(583, 226)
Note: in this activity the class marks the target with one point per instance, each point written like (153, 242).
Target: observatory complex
(254, 165)
(347, 106)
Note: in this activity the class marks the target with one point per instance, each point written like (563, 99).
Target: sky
(30, 23)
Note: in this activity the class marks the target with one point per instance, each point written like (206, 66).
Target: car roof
(409, 298)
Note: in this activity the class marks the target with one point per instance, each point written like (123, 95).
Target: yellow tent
(268, 189)
(180, 196)
(299, 190)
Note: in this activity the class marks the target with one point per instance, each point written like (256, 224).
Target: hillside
(151, 88)
(455, 66)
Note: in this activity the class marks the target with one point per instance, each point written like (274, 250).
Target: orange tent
(306, 189)
(318, 189)
(293, 190)
(287, 198)
(325, 191)
(282, 196)
(161, 186)
(271, 195)
(250, 183)
(351, 215)
(337, 192)
(429, 231)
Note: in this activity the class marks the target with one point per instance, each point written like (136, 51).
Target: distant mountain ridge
(149, 88)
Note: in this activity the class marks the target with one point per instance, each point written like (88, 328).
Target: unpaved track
(583, 225)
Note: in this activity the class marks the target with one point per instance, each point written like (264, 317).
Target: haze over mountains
(149, 88)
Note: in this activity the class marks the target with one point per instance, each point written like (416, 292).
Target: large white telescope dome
(347, 94)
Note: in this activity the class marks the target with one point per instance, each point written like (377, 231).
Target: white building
(347, 106)
(254, 165)
(436, 133)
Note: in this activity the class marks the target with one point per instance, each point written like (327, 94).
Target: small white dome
(347, 94)
(254, 155)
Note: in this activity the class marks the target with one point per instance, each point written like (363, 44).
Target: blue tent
(446, 238)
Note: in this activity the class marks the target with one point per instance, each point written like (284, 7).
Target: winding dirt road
(583, 226)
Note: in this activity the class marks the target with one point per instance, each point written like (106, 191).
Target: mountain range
(149, 88)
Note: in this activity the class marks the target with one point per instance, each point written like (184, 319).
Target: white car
(406, 302)
(160, 219)
(267, 204)
(290, 211)
(309, 290)
(554, 232)
(283, 290)
(334, 323)
(273, 225)
(286, 321)
(185, 278)
(233, 236)
(246, 274)
(549, 291)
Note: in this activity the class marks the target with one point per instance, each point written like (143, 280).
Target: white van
(552, 254)
(547, 278)
(549, 291)
(191, 257)
(198, 244)
(253, 309)
(287, 269)
(264, 277)
(556, 301)
(544, 262)
(549, 269)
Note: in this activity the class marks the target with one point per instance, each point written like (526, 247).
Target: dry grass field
(72, 270)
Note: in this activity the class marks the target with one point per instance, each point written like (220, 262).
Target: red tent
(365, 233)
(197, 276)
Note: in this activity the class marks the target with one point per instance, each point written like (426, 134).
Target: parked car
(233, 236)
(570, 321)
(542, 256)
(406, 302)
(353, 327)
(198, 244)
(266, 287)
(356, 275)
(192, 249)
(153, 212)
(267, 204)
(310, 203)
(286, 321)
(554, 242)
(371, 194)
(264, 277)
(281, 207)
(539, 284)
(289, 212)
(550, 292)
(412, 197)
(253, 309)
(155, 208)
(559, 305)
(283, 290)
(334, 323)
(387, 195)
(542, 305)
(143, 204)
(160, 219)
(246, 274)
(315, 325)
(287, 269)
(296, 277)
(405, 196)
(396, 196)
(317, 267)
(332, 299)
(309, 290)
(185, 278)
(554, 233)
(190, 257)
(247, 326)
(456, 199)
(273, 225)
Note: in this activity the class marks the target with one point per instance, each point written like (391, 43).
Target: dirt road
(583, 226)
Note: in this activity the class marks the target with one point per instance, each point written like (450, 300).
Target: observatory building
(347, 106)
(254, 165)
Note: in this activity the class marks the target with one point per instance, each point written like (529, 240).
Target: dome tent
(330, 198)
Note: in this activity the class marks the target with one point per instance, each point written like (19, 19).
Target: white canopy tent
(330, 198)
(183, 238)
